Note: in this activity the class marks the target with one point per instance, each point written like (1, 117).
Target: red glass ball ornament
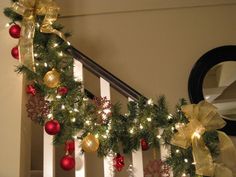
(67, 162)
(144, 144)
(52, 127)
(70, 146)
(15, 52)
(14, 31)
(30, 89)
(119, 162)
(62, 90)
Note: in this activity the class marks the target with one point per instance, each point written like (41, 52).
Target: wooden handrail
(99, 71)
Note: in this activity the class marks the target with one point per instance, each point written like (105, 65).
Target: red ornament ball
(70, 146)
(14, 31)
(30, 89)
(67, 162)
(144, 144)
(15, 52)
(62, 90)
(52, 127)
(119, 162)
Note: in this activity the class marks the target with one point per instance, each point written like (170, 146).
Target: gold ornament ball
(52, 79)
(90, 143)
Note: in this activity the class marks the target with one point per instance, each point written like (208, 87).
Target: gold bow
(204, 117)
(29, 9)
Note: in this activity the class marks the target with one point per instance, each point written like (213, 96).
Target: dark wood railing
(99, 71)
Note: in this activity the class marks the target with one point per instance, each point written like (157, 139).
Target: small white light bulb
(60, 54)
(197, 134)
(45, 65)
(150, 102)
(55, 45)
(49, 115)
(104, 136)
(58, 96)
(170, 116)
(73, 119)
(7, 25)
(76, 110)
(85, 99)
(87, 122)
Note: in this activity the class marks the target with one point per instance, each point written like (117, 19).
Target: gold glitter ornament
(90, 143)
(52, 79)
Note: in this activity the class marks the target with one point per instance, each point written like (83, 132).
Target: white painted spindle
(105, 92)
(79, 158)
(137, 158)
(48, 156)
(164, 150)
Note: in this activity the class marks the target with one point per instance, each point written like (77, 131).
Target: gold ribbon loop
(204, 117)
(227, 157)
(29, 9)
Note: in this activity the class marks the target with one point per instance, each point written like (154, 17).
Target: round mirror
(213, 78)
(219, 88)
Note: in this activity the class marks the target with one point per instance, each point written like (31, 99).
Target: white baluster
(48, 156)
(79, 158)
(78, 70)
(164, 151)
(105, 92)
(137, 158)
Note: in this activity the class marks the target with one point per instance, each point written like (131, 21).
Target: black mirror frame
(199, 71)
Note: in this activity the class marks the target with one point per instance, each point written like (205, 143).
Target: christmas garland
(57, 102)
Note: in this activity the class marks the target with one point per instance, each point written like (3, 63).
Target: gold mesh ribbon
(203, 117)
(29, 9)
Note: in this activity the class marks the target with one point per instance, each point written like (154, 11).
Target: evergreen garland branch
(8, 12)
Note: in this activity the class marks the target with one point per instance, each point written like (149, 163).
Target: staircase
(107, 81)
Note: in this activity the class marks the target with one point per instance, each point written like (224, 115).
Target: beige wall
(151, 50)
(94, 7)
(10, 104)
